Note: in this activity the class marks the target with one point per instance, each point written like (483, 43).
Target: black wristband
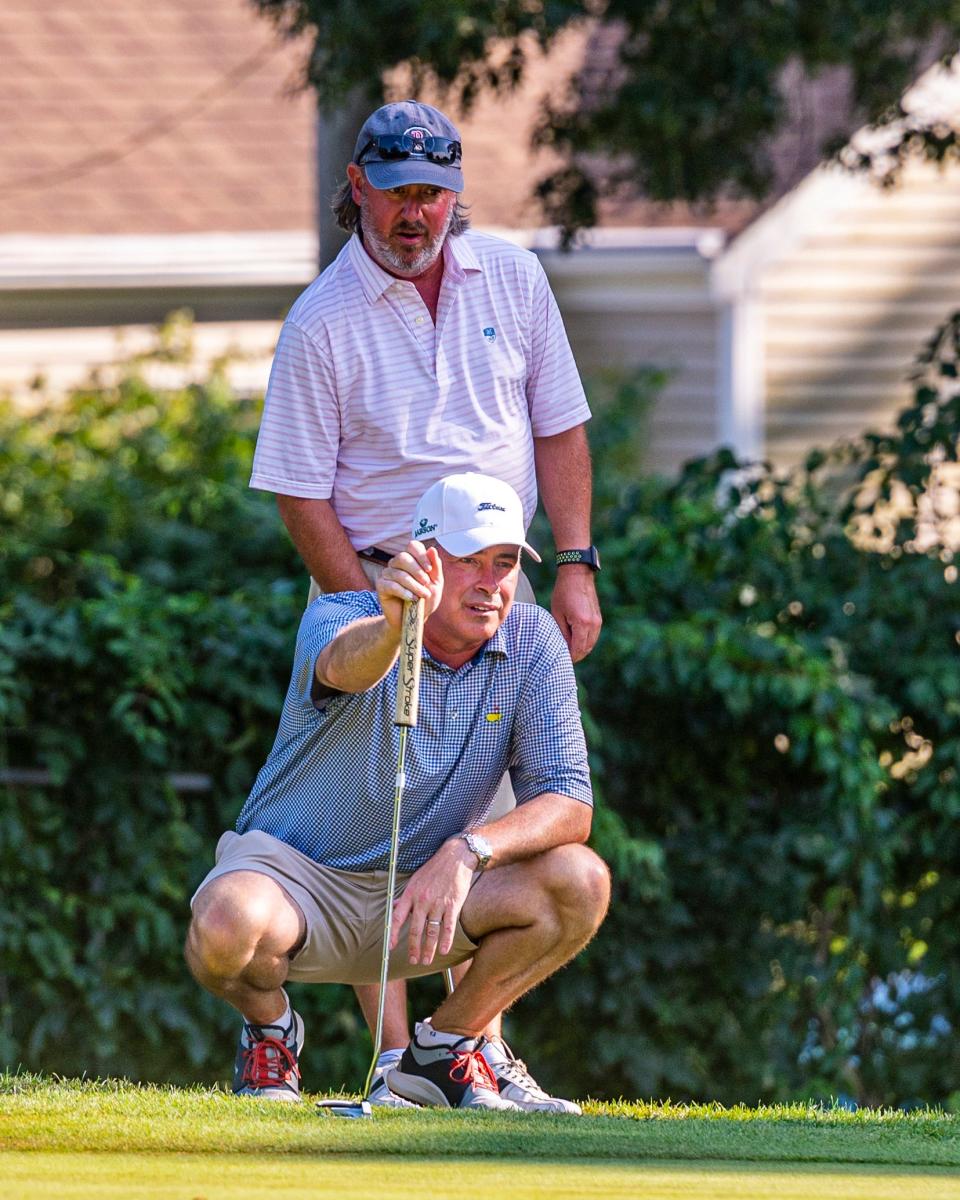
(589, 557)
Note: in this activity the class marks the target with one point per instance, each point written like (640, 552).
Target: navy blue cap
(415, 123)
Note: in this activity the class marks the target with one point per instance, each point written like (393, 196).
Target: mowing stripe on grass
(222, 1124)
(54, 1176)
(42, 1176)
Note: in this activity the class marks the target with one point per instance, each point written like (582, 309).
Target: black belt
(375, 555)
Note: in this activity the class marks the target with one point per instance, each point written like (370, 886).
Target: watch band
(590, 557)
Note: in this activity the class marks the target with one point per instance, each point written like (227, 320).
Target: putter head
(345, 1108)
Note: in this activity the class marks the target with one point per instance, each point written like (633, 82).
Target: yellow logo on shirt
(494, 716)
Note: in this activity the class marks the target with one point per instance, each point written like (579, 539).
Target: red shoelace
(269, 1063)
(471, 1067)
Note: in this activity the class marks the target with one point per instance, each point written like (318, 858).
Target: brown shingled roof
(150, 116)
(174, 116)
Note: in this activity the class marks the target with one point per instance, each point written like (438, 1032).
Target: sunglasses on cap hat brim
(393, 147)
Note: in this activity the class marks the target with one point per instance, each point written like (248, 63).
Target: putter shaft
(408, 695)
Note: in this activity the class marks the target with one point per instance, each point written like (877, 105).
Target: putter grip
(408, 676)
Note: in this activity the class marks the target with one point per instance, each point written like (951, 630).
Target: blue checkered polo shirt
(327, 787)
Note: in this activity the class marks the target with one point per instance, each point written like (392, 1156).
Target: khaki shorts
(344, 912)
(504, 801)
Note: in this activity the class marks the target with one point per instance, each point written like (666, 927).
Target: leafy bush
(149, 605)
(774, 707)
(772, 714)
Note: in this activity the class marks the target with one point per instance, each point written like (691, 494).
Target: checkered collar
(497, 645)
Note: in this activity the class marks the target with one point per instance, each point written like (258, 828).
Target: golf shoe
(267, 1063)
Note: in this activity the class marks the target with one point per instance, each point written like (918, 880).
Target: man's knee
(232, 916)
(568, 887)
(579, 880)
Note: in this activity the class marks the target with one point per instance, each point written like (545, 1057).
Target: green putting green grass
(61, 1176)
(70, 1140)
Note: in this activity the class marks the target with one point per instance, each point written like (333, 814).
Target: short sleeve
(320, 624)
(555, 395)
(299, 437)
(549, 751)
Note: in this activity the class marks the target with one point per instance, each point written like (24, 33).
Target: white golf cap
(470, 512)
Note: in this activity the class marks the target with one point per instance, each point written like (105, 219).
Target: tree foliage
(679, 100)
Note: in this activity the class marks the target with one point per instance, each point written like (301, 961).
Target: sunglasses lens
(439, 151)
(392, 147)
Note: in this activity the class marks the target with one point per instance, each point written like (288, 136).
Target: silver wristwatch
(480, 847)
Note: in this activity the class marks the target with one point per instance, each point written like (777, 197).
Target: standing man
(425, 348)
(299, 891)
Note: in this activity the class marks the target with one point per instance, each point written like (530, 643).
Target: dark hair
(347, 211)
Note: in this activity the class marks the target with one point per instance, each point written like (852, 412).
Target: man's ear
(357, 181)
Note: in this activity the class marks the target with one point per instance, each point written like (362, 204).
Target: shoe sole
(381, 1097)
(543, 1106)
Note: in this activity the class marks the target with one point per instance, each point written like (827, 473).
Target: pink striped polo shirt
(369, 404)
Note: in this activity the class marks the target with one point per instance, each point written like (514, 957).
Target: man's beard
(394, 260)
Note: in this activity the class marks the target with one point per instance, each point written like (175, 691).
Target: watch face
(480, 847)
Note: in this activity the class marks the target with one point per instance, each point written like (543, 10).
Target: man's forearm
(362, 653)
(359, 656)
(565, 483)
(538, 825)
(323, 544)
(564, 478)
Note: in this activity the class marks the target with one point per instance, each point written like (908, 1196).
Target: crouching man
(299, 891)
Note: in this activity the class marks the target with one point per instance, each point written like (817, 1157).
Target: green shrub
(772, 715)
(149, 604)
(774, 707)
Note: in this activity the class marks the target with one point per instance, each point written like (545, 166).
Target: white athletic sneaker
(380, 1093)
(517, 1084)
(446, 1071)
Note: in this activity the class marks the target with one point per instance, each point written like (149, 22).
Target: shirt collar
(374, 280)
(458, 259)
(496, 645)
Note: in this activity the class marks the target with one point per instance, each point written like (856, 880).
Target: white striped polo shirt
(368, 404)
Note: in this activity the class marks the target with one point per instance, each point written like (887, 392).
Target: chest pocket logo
(490, 334)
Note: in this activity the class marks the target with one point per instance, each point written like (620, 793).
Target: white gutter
(705, 241)
(32, 262)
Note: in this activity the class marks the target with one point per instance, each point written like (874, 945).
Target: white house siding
(847, 309)
(72, 304)
(43, 364)
(649, 305)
